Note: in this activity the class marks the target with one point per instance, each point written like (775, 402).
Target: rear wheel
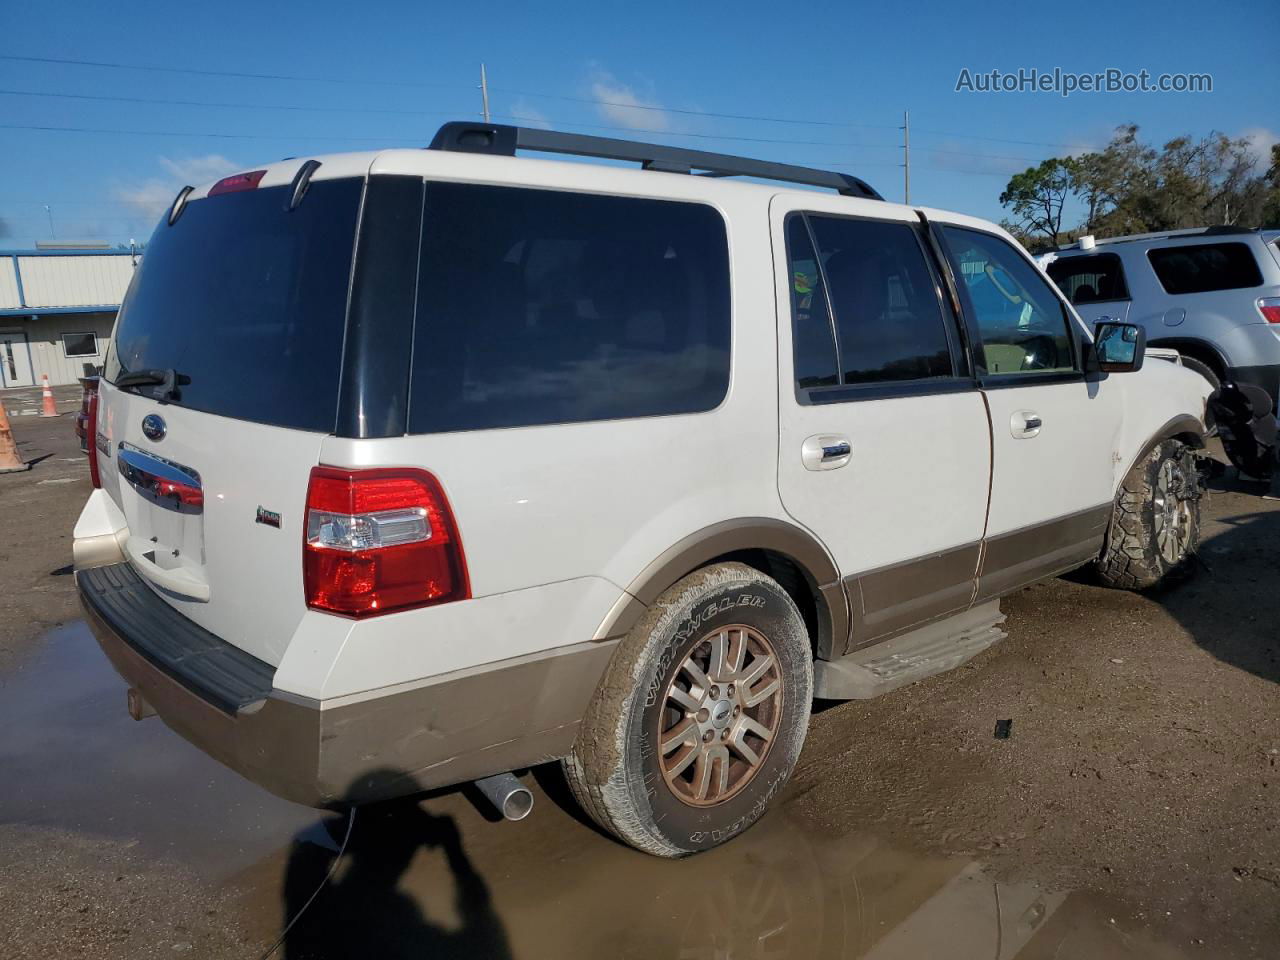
(700, 717)
(1155, 524)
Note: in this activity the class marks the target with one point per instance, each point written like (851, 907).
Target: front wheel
(700, 717)
(1155, 524)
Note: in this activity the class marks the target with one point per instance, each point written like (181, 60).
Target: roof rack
(1215, 231)
(464, 137)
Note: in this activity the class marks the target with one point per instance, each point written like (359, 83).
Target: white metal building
(57, 308)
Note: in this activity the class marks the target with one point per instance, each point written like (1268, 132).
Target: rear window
(1205, 267)
(542, 306)
(1090, 279)
(246, 301)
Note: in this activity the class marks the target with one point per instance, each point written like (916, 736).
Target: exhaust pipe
(509, 796)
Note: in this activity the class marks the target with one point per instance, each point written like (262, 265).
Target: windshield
(245, 301)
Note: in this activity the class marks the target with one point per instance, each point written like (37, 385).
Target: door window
(812, 336)
(1022, 323)
(865, 307)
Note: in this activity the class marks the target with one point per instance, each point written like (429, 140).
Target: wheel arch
(1184, 428)
(781, 550)
(1202, 350)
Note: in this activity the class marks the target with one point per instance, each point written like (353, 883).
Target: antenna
(484, 93)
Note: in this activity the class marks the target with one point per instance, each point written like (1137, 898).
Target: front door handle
(1025, 424)
(826, 451)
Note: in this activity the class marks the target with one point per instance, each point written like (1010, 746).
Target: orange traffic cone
(49, 409)
(10, 462)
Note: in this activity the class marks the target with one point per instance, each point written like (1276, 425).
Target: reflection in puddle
(73, 758)
(411, 885)
(434, 879)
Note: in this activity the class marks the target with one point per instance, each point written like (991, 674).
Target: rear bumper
(443, 731)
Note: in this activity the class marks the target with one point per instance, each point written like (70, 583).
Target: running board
(927, 650)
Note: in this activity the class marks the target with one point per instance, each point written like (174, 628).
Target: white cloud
(1261, 140)
(619, 103)
(151, 197)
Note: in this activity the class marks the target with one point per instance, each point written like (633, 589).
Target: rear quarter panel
(556, 521)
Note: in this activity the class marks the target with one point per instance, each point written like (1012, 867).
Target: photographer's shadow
(363, 912)
(1231, 607)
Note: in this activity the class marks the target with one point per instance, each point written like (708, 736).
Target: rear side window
(873, 277)
(542, 306)
(1205, 267)
(1094, 278)
(246, 300)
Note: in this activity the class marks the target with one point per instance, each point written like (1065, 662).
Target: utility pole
(484, 93)
(906, 157)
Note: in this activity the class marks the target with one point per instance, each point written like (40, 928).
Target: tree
(1130, 187)
(1270, 216)
(1037, 195)
(1105, 181)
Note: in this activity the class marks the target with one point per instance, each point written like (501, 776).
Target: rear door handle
(1025, 424)
(826, 451)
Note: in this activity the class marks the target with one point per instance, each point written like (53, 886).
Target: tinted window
(80, 344)
(813, 340)
(540, 306)
(1090, 279)
(1206, 267)
(248, 301)
(1022, 323)
(888, 319)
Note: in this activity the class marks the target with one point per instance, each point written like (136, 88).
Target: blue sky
(577, 66)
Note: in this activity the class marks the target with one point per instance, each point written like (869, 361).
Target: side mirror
(1120, 347)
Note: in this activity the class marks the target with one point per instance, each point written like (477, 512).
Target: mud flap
(1244, 418)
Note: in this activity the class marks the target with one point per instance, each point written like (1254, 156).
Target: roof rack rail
(1214, 231)
(503, 140)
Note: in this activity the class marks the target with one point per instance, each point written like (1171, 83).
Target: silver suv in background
(1212, 294)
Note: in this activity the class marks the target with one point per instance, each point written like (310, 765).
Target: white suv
(423, 466)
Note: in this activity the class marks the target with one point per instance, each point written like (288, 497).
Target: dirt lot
(37, 512)
(1132, 812)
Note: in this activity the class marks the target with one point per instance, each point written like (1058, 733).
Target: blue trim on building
(51, 311)
(17, 275)
(67, 253)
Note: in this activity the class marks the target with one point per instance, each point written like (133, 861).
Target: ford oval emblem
(153, 427)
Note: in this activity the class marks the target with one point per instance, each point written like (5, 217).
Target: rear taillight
(378, 541)
(1269, 307)
(91, 437)
(236, 182)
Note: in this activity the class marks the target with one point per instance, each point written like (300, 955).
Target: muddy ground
(1132, 812)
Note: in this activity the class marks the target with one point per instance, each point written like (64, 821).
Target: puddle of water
(74, 759)
(436, 879)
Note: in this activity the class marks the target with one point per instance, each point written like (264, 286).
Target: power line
(222, 73)
(758, 118)
(156, 101)
(218, 136)
(421, 113)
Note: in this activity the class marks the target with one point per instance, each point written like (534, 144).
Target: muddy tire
(700, 717)
(1155, 525)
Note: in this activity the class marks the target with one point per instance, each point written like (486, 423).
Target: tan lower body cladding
(890, 600)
